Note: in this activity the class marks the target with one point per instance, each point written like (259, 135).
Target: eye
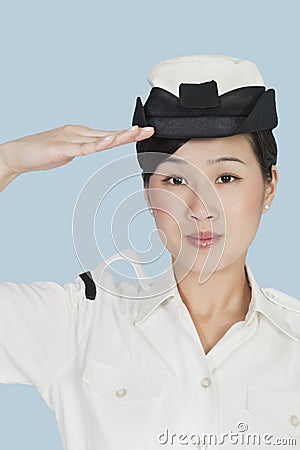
(177, 180)
(226, 178)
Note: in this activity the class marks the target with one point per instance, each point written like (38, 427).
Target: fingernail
(135, 127)
(147, 129)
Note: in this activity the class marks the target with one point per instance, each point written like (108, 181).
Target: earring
(151, 211)
(267, 206)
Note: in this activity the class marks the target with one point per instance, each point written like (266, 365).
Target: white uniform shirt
(132, 374)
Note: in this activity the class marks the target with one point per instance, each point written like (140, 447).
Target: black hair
(262, 142)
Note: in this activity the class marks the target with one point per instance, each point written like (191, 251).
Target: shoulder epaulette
(90, 286)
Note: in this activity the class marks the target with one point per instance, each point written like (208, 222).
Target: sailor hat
(206, 96)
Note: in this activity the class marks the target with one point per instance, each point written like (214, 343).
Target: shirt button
(120, 392)
(294, 420)
(205, 382)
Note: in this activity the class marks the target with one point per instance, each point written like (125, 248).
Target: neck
(225, 292)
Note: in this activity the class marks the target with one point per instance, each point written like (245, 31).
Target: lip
(202, 235)
(204, 239)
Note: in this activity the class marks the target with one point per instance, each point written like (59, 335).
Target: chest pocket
(278, 409)
(124, 384)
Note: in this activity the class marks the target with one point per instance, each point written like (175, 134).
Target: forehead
(200, 150)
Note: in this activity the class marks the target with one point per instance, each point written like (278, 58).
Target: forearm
(6, 176)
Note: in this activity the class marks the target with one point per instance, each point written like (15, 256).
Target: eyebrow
(209, 161)
(224, 159)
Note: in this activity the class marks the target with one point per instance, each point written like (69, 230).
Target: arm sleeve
(39, 330)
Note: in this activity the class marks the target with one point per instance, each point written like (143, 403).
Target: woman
(202, 357)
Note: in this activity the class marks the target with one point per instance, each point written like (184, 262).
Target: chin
(200, 263)
(206, 263)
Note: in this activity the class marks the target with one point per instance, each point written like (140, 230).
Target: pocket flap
(277, 408)
(115, 383)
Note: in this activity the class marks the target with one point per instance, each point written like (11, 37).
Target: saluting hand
(59, 146)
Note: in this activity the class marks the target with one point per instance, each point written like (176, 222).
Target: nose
(203, 207)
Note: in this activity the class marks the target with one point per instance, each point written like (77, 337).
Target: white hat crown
(229, 73)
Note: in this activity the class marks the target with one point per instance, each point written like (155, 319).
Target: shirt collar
(165, 287)
(270, 308)
(158, 291)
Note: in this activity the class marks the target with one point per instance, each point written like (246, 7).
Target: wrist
(6, 175)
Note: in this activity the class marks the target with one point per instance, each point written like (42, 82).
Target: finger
(130, 135)
(109, 141)
(78, 138)
(92, 132)
(121, 137)
(81, 130)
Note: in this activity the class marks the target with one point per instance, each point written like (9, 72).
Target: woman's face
(193, 192)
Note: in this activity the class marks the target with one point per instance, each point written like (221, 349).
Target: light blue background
(86, 62)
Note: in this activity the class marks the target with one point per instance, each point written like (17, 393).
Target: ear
(271, 188)
(146, 196)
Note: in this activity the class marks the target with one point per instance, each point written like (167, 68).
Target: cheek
(168, 207)
(246, 206)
